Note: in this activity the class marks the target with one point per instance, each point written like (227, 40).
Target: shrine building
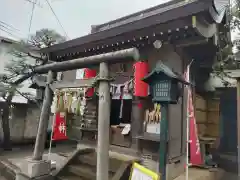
(171, 35)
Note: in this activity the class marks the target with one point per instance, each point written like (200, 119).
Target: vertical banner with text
(60, 130)
(195, 153)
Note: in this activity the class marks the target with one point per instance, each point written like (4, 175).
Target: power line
(5, 27)
(38, 4)
(57, 19)
(31, 18)
(8, 25)
(9, 29)
(9, 33)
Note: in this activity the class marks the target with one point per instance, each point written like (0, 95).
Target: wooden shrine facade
(174, 33)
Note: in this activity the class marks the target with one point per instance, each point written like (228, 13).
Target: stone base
(174, 170)
(20, 176)
(33, 168)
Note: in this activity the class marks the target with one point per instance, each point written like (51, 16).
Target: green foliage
(235, 21)
(45, 38)
(25, 54)
(225, 58)
(235, 14)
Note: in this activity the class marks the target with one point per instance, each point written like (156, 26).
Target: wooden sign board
(141, 173)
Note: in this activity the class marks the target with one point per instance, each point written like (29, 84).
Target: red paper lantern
(140, 71)
(89, 73)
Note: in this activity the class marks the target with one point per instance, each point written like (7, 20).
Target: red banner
(60, 130)
(195, 153)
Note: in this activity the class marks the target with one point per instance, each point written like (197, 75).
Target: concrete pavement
(62, 151)
(58, 154)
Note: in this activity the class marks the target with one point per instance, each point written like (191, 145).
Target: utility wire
(8, 25)
(31, 18)
(10, 30)
(9, 33)
(38, 4)
(57, 19)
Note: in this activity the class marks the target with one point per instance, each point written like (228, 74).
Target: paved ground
(202, 174)
(58, 154)
(62, 151)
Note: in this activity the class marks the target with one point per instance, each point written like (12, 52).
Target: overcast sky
(76, 16)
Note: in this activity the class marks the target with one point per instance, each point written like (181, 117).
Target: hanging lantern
(89, 73)
(140, 71)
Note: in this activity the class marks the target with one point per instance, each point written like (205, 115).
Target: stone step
(89, 116)
(91, 159)
(69, 177)
(2, 178)
(89, 129)
(83, 166)
(8, 169)
(91, 107)
(86, 171)
(90, 111)
(90, 121)
(83, 171)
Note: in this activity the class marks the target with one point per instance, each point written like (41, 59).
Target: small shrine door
(120, 117)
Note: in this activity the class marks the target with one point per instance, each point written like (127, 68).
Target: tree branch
(4, 98)
(25, 96)
(35, 57)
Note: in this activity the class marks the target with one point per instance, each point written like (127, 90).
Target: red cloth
(195, 152)
(89, 73)
(60, 129)
(140, 71)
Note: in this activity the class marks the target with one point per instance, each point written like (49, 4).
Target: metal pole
(103, 123)
(164, 138)
(187, 134)
(112, 57)
(189, 95)
(43, 121)
(50, 144)
(238, 124)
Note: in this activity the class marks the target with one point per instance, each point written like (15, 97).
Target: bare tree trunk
(5, 123)
(6, 128)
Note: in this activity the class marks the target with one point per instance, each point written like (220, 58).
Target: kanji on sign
(60, 130)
